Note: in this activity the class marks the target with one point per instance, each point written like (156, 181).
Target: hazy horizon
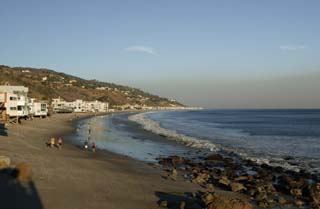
(215, 54)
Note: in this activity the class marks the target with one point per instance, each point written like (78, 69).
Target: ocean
(280, 137)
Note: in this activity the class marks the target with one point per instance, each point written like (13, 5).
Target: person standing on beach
(93, 147)
(86, 145)
(52, 142)
(60, 142)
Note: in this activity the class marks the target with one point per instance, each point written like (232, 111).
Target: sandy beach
(72, 178)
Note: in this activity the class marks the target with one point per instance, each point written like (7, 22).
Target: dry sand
(74, 179)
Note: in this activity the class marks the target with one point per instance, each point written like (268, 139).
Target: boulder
(208, 198)
(183, 205)
(260, 196)
(296, 192)
(23, 172)
(282, 201)
(210, 187)
(163, 204)
(4, 162)
(236, 187)
(223, 202)
(298, 203)
(215, 157)
(224, 181)
(315, 194)
(173, 175)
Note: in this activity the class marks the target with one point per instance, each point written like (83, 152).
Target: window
(20, 108)
(43, 107)
(13, 108)
(13, 98)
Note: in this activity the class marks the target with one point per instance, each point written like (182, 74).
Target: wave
(155, 127)
(194, 142)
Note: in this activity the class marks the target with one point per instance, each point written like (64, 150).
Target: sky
(210, 53)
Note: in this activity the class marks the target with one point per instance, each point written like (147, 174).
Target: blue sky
(155, 44)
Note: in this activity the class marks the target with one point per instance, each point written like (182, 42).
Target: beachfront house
(79, 106)
(16, 100)
(97, 106)
(3, 114)
(59, 105)
(38, 108)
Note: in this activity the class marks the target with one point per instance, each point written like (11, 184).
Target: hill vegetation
(45, 84)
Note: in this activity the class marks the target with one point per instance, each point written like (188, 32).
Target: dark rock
(260, 196)
(215, 157)
(282, 200)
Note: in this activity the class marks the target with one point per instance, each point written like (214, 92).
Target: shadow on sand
(174, 200)
(3, 130)
(15, 195)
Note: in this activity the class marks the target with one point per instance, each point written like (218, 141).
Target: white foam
(155, 127)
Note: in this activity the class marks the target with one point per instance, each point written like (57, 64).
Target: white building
(97, 106)
(38, 109)
(16, 100)
(59, 105)
(79, 106)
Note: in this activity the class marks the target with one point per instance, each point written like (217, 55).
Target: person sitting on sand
(52, 142)
(93, 147)
(60, 142)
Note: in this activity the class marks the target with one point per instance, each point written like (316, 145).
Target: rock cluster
(265, 185)
(207, 200)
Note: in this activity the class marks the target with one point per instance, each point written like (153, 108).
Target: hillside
(46, 84)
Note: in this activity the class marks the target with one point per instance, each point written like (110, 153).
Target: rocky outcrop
(264, 185)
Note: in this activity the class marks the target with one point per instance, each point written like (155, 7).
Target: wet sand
(71, 178)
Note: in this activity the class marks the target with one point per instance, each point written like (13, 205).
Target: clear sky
(210, 53)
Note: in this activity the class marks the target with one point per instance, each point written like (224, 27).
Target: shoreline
(71, 178)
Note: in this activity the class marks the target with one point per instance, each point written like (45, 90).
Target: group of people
(55, 143)
(93, 146)
(58, 143)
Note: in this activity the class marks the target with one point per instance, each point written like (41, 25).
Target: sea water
(289, 138)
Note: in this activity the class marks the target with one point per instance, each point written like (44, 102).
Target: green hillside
(46, 84)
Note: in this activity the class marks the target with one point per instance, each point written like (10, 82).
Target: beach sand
(71, 178)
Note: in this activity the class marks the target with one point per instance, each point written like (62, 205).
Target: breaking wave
(198, 143)
(155, 127)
